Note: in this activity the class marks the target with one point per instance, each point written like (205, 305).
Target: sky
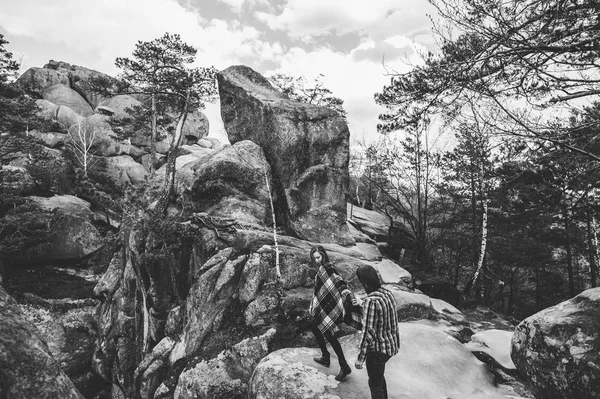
(348, 41)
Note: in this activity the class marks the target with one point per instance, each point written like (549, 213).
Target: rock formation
(231, 183)
(60, 94)
(307, 147)
(27, 368)
(558, 349)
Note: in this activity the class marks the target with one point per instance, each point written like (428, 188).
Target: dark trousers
(375, 369)
(335, 344)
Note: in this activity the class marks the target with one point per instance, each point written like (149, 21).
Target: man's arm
(368, 330)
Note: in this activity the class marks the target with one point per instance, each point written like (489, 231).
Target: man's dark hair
(368, 277)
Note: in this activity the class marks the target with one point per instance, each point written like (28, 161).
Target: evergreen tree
(17, 110)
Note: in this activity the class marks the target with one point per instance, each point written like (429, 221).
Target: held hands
(354, 300)
(358, 365)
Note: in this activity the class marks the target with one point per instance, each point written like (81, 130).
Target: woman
(332, 304)
(380, 339)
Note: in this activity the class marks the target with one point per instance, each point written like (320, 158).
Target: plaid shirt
(329, 307)
(380, 332)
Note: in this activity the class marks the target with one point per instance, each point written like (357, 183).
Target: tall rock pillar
(307, 147)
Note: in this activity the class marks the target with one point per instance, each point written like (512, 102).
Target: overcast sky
(346, 40)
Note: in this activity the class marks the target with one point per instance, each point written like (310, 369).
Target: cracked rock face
(558, 349)
(27, 368)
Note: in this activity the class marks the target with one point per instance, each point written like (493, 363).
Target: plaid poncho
(328, 307)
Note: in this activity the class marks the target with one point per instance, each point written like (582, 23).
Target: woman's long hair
(369, 278)
(326, 262)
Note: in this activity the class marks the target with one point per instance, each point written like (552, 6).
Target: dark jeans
(375, 369)
(335, 344)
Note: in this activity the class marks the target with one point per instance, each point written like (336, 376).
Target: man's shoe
(322, 360)
(343, 374)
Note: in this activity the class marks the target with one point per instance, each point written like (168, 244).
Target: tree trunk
(483, 245)
(537, 287)
(277, 268)
(165, 196)
(569, 251)
(511, 292)
(153, 134)
(591, 249)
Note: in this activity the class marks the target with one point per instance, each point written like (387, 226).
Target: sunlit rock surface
(430, 365)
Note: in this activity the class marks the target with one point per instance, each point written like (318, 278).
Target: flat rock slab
(372, 223)
(430, 365)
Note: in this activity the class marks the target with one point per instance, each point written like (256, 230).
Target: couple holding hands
(333, 304)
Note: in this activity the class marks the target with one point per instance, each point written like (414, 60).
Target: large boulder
(47, 109)
(35, 80)
(229, 183)
(80, 79)
(558, 349)
(430, 365)
(120, 104)
(124, 171)
(50, 139)
(196, 127)
(66, 324)
(106, 142)
(71, 234)
(208, 299)
(68, 118)
(16, 180)
(227, 375)
(27, 368)
(306, 145)
(61, 94)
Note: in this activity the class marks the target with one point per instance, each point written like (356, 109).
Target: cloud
(237, 5)
(390, 50)
(355, 80)
(316, 17)
(301, 18)
(111, 28)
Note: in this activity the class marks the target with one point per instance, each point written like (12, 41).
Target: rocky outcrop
(558, 349)
(50, 139)
(71, 234)
(27, 368)
(210, 297)
(307, 147)
(35, 80)
(196, 127)
(429, 365)
(230, 183)
(493, 346)
(16, 180)
(61, 94)
(120, 104)
(80, 79)
(125, 171)
(227, 375)
(66, 117)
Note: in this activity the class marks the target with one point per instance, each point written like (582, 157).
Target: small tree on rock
(302, 89)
